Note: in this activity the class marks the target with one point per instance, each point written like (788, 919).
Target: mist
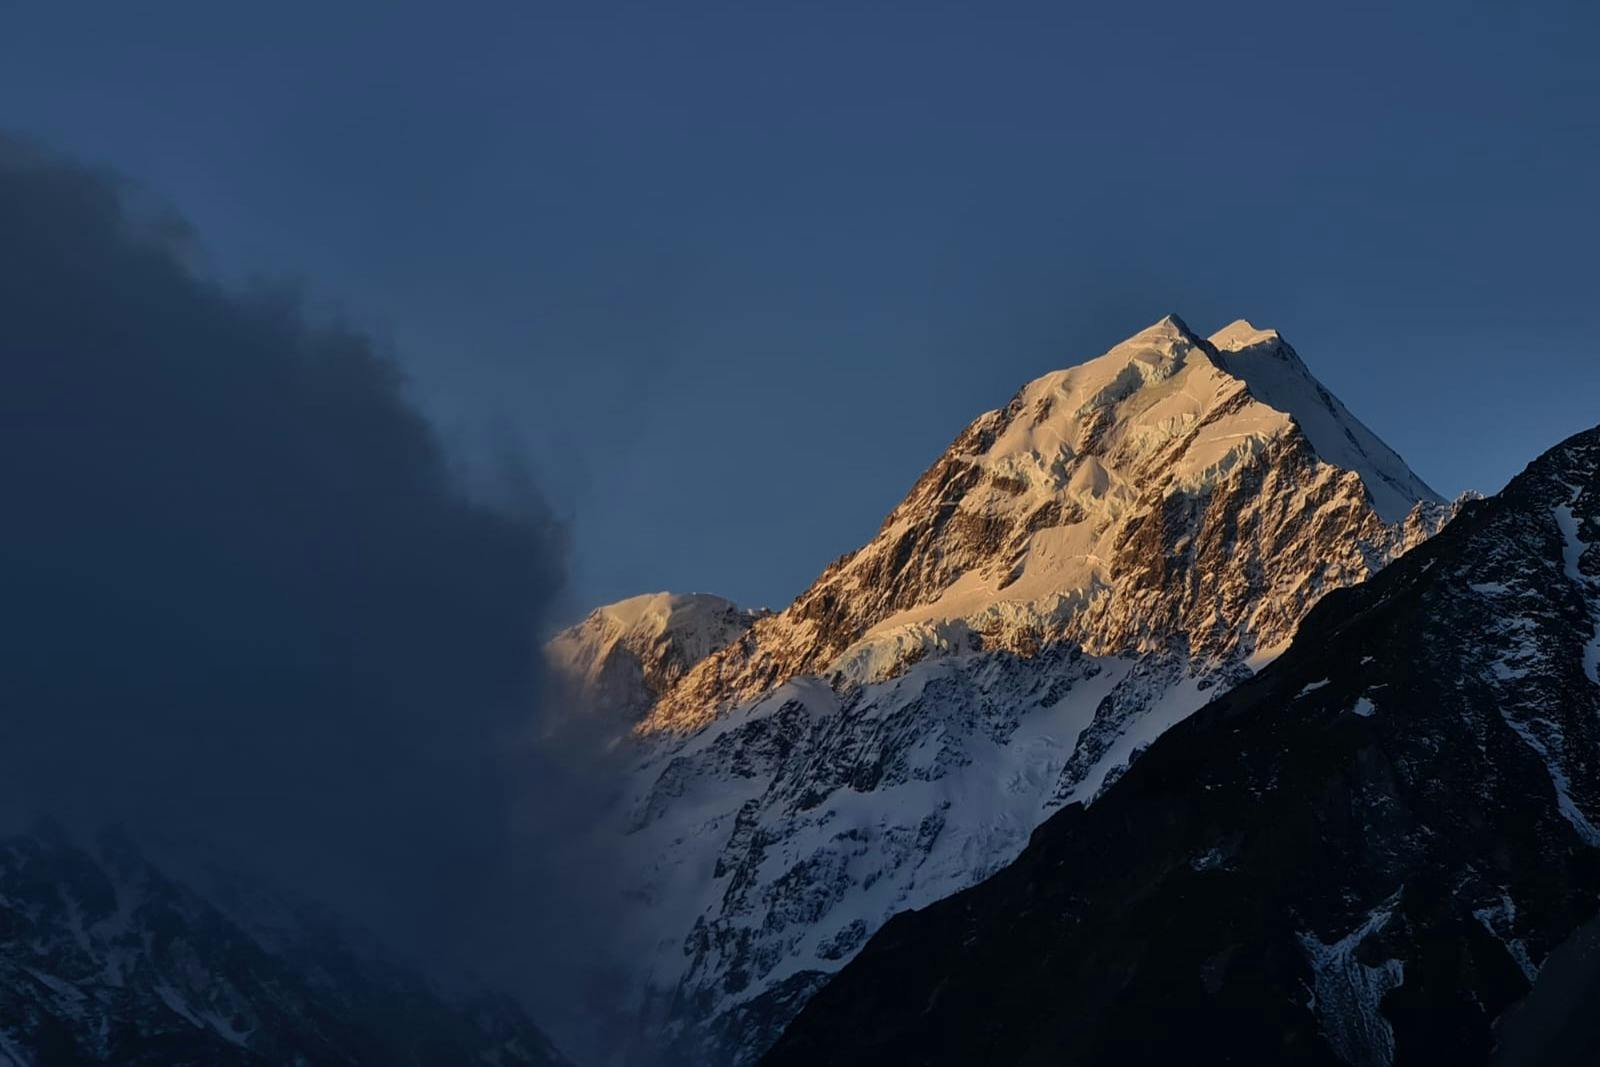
(248, 599)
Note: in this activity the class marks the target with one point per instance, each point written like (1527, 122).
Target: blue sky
(732, 275)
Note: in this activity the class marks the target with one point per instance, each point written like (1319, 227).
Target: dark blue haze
(733, 274)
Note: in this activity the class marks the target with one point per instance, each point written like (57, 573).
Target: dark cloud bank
(245, 599)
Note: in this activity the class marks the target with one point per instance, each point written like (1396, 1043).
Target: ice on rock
(622, 656)
(1347, 993)
(1275, 375)
(1079, 571)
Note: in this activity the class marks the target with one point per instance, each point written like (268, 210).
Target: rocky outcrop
(1365, 855)
(1078, 572)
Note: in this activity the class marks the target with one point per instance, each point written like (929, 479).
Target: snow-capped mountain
(104, 958)
(623, 656)
(1056, 518)
(1080, 570)
(1367, 854)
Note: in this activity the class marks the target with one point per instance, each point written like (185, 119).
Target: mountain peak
(1033, 524)
(624, 655)
(1168, 339)
(1241, 335)
(659, 613)
(1276, 376)
(1171, 324)
(1076, 572)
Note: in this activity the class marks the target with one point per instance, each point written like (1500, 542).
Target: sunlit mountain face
(1369, 853)
(624, 534)
(1080, 570)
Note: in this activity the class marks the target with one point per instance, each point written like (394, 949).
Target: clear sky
(732, 275)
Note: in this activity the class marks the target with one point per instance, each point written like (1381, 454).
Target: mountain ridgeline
(1169, 716)
(106, 958)
(620, 659)
(1364, 855)
(1148, 496)
(1080, 570)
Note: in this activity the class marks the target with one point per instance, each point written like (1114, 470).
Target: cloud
(246, 599)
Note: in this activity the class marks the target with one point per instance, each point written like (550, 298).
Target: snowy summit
(1034, 525)
(623, 656)
(1079, 571)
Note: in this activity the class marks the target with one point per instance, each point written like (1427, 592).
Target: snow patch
(225, 1029)
(1171, 707)
(174, 1000)
(1571, 545)
(1572, 550)
(1558, 777)
(1347, 995)
(1499, 919)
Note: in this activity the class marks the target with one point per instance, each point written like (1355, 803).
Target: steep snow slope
(1028, 528)
(1077, 572)
(623, 656)
(1364, 855)
(1275, 375)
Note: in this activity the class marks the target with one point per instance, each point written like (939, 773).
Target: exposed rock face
(1364, 855)
(1078, 572)
(104, 959)
(1087, 510)
(623, 656)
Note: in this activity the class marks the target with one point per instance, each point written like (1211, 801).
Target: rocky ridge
(622, 657)
(1367, 854)
(1085, 511)
(106, 959)
(1079, 571)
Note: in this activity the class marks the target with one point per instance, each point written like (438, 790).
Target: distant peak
(659, 611)
(1167, 341)
(1170, 325)
(622, 656)
(1242, 334)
